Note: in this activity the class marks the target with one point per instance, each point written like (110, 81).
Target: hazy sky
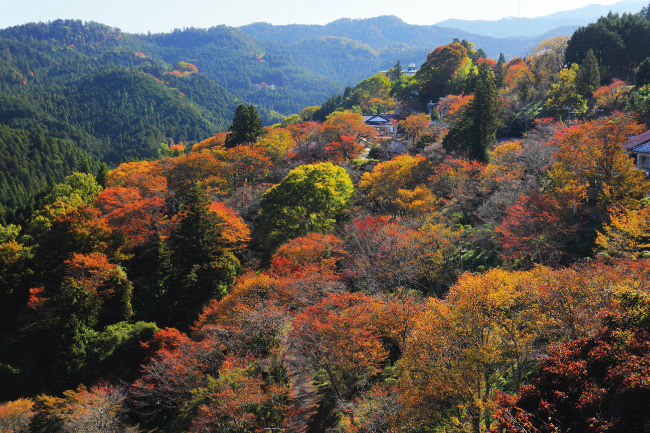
(163, 15)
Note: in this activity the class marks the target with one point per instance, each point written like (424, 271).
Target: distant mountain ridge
(386, 33)
(529, 27)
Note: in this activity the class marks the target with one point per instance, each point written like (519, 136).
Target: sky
(140, 16)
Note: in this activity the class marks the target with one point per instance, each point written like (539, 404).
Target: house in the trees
(638, 147)
(383, 123)
(411, 69)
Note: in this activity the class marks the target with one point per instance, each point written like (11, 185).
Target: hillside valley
(115, 96)
(291, 229)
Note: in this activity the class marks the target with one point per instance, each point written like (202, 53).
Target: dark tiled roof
(637, 140)
(643, 148)
(377, 119)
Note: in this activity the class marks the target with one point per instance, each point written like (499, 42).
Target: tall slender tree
(246, 126)
(588, 78)
(203, 265)
(395, 73)
(500, 72)
(473, 136)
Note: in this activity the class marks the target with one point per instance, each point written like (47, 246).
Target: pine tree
(645, 12)
(102, 175)
(642, 73)
(395, 73)
(588, 79)
(473, 136)
(153, 266)
(246, 126)
(83, 166)
(203, 266)
(500, 72)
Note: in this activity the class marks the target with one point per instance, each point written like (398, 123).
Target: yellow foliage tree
(505, 163)
(276, 142)
(627, 234)
(398, 184)
(591, 166)
(15, 416)
(459, 347)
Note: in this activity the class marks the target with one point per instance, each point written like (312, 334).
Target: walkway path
(302, 397)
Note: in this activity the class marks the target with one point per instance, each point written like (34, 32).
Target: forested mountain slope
(485, 272)
(118, 96)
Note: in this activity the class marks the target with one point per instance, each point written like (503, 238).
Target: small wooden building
(381, 123)
(638, 147)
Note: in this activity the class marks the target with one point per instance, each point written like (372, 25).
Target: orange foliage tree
(461, 185)
(307, 138)
(338, 139)
(16, 416)
(452, 107)
(592, 168)
(519, 77)
(486, 328)
(106, 282)
(505, 163)
(323, 251)
(414, 125)
(572, 300)
(80, 231)
(235, 234)
(398, 185)
(98, 409)
(386, 255)
(216, 142)
(613, 96)
(148, 176)
(240, 400)
(246, 164)
(126, 211)
(484, 335)
(597, 383)
(345, 149)
(167, 381)
(342, 134)
(536, 230)
(338, 125)
(248, 290)
(202, 167)
(335, 339)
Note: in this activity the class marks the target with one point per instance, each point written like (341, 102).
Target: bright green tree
(375, 88)
(78, 189)
(564, 96)
(312, 198)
